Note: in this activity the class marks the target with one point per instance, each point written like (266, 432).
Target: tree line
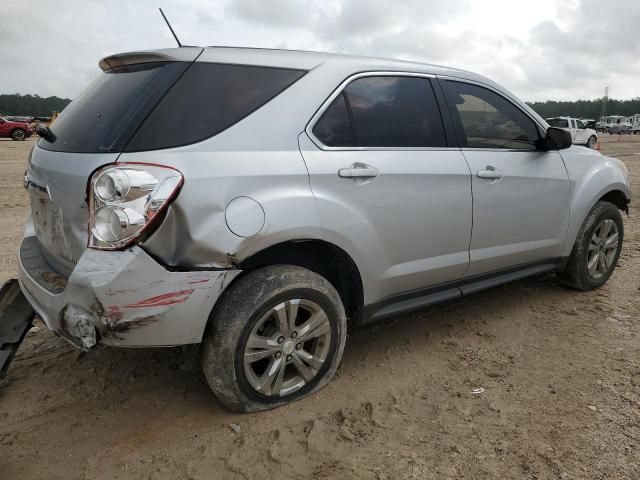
(586, 108)
(36, 106)
(31, 105)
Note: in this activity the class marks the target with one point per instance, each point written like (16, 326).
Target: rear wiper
(46, 133)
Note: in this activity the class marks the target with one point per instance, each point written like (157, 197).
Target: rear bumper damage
(120, 298)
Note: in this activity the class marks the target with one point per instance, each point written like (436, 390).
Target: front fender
(591, 176)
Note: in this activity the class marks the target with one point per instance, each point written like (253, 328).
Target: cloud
(549, 49)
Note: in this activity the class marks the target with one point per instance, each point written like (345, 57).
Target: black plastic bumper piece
(16, 316)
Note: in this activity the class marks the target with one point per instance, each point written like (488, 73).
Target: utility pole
(605, 99)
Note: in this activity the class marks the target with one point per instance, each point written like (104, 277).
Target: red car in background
(14, 130)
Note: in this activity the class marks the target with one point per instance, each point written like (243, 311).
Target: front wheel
(276, 335)
(596, 249)
(18, 135)
(591, 143)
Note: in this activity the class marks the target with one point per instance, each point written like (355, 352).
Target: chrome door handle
(491, 173)
(358, 170)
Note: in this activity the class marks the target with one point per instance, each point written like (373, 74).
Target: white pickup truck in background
(580, 134)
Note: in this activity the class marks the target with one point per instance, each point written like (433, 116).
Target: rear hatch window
(162, 105)
(105, 115)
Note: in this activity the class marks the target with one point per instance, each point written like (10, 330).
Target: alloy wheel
(287, 347)
(602, 248)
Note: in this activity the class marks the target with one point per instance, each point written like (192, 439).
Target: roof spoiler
(183, 54)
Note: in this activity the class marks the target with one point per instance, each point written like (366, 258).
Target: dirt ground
(560, 372)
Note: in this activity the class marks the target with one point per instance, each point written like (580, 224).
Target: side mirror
(556, 139)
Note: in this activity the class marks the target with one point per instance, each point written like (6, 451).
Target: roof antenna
(169, 25)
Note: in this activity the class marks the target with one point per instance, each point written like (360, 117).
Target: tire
(591, 143)
(18, 135)
(245, 315)
(577, 274)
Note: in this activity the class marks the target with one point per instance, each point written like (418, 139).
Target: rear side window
(487, 120)
(334, 128)
(164, 104)
(209, 98)
(383, 111)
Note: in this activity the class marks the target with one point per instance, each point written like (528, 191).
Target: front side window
(580, 125)
(383, 111)
(487, 120)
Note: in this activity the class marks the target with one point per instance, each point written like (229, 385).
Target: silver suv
(262, 202)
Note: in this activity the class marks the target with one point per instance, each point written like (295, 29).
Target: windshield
(558, 122)
(104, 116)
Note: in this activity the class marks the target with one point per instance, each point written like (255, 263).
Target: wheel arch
(617, 198)
(616, 194)
(321, 257)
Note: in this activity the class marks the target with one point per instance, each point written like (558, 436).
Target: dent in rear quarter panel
(591, 175)
(195, 232)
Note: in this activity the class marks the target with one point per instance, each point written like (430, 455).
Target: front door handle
(358, 170)
(490, 173)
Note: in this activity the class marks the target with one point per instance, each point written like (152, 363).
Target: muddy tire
(596, 249)
(276, 335)
(591, 143)
(18, 135)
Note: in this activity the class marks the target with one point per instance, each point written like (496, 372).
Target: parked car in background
(580, 134)
(15, 130)
(14, 118)
(311, 193)
(606, 123)
(620, 129)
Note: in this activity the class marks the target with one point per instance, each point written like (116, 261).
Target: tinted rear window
(383, 111)
(395, 112)
(208, 99)
(334, 128)
(163, 105)
(105, 115)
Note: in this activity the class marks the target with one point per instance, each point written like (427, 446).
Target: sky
(538, 49)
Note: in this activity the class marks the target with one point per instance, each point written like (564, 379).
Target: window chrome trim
(338, 91)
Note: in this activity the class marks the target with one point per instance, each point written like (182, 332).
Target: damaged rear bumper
(120, 298)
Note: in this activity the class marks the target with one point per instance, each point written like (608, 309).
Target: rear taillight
(125, 199)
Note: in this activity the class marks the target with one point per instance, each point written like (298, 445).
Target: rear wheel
(596, 250)
(277, 335)
(18, 135)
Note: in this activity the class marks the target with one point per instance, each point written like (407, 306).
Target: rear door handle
(490, 173)
(358, 170)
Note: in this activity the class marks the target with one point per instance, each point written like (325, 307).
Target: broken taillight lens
(124, 200)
